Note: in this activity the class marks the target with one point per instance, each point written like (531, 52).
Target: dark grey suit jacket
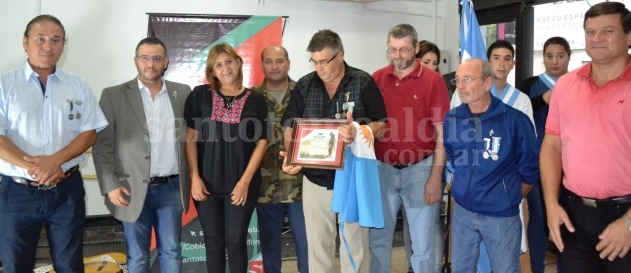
(122, 150)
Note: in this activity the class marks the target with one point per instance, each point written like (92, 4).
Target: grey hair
(487, 68)
(323, 39)
(402, 31)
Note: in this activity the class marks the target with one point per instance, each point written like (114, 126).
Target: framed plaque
(317, 144)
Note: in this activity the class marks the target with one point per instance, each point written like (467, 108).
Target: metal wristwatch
(626, 221)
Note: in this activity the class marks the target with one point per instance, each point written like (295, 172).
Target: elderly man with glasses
(494, 152)
(329, 92)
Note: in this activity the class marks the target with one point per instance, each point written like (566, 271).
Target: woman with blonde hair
(225, 142)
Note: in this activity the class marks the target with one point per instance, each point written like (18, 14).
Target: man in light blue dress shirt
(48, 119)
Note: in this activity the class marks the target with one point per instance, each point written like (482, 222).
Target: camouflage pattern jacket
(277, 186)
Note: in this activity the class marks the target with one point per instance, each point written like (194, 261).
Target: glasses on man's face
(464, 81)
(402, 50)
(323, 63)
(146, 59)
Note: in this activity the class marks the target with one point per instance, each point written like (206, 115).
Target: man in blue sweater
(494, 152)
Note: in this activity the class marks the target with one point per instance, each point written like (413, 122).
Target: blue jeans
(271, 218)
(439, 241)
(405, 186)
(23, 210)
(537, 232)
(502, 236)
(162, 211)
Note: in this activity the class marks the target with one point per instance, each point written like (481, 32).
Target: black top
(525, 86)
(310, 100)
(228, 130)
(450, 86)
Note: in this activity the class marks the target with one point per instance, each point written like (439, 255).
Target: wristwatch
(626, 221)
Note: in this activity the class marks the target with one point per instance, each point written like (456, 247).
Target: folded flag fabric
(356, 190)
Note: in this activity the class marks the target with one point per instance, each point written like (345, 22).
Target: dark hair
(151, 41)
(558, 41)
(41, 19)
(606, 8)
(425, 47)
(500, 44)
(325, 38)
(217, 50)
(281, 47)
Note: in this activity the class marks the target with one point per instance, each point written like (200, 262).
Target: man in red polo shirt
(411, 153)
(588, 146)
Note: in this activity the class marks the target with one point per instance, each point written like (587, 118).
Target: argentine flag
(471, 42)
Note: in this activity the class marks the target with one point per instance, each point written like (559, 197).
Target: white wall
(102, 34)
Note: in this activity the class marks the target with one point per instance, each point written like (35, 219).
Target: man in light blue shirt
(48, 119)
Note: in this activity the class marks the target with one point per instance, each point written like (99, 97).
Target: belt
(35, 184)
(592, 202)
(403, 166)
(161, 180)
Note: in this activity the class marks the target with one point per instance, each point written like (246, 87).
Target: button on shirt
(161, 127)
(43, 124)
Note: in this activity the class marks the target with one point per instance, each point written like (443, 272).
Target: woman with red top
(225, 142)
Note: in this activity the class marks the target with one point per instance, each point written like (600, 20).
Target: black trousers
(225, 228)
(580, 254)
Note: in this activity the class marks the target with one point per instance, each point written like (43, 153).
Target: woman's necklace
(230, 102)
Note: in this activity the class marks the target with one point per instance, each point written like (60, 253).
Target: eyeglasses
(323, 63)
(155, 59)
(464, 81)
(393, 50)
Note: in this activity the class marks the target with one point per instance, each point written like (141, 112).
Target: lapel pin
(175, 94)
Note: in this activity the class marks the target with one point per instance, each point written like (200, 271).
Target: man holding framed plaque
(330, 92)
(411, 153)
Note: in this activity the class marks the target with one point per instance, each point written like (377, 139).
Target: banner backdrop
(188, 39)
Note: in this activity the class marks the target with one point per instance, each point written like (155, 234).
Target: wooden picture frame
(317, 144)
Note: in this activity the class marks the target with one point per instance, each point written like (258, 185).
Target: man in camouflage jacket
(281, 193)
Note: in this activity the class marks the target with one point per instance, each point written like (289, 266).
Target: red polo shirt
(595, 129)
(414, 105)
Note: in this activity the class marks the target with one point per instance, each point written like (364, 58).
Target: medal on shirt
(348, 106)
(337, 110)
(78, 104)
(70, 107)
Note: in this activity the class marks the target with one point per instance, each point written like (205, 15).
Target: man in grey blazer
(140, 159)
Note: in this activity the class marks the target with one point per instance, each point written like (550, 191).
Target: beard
(402, 64)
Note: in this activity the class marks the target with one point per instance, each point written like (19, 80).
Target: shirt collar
(143, 88)
(586, 71)
(347, 74)
(418, 70)
(28, 71)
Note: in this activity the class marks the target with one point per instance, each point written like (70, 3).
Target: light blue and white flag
(471, 41)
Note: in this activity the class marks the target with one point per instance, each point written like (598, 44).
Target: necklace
(229, 102)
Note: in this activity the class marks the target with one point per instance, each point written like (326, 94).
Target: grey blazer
(122, 151)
